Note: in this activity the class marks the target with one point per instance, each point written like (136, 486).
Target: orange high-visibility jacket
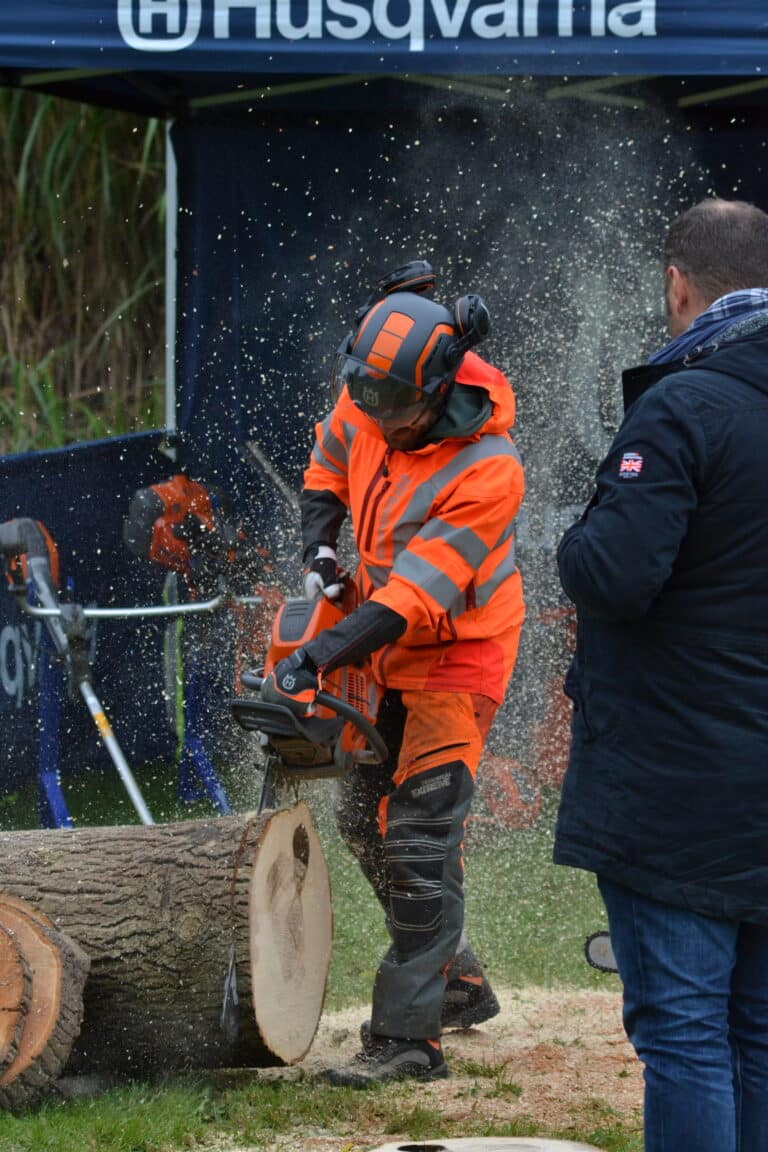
(434, 530)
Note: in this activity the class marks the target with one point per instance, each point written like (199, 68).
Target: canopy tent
(532, 149)
(151, 40)
(172, 57)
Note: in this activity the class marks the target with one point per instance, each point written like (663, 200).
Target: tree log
(58, 970)
(157, 909)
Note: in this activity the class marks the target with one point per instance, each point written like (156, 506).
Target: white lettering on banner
(262, 17)
(312, 28)
(645, 25)
(157, 25)
(481, 20)
(167, 8)
(18, 655)
(413, 27)
(362, 20)
(450, 23)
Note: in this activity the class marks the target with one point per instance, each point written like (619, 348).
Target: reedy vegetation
(81, 275)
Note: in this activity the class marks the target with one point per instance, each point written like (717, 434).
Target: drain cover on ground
(495, 1144)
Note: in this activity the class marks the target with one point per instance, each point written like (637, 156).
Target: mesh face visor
(383, 397)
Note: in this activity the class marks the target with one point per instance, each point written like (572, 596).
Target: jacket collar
(734, 344)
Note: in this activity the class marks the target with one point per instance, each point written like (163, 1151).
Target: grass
(211, 1111)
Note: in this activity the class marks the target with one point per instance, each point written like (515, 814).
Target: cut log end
(291, 934)
(15, 995)
(57, 970)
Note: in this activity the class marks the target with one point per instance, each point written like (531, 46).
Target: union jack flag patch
(631, 464)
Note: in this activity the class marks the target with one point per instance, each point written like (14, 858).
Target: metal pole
(112, 746)
(171, 239)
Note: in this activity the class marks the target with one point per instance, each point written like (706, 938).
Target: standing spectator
(417, 450)
(666, 793)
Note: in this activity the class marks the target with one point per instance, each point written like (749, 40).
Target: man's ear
(678, 290)
(684, 301)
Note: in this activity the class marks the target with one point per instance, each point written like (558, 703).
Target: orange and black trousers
(404, 821)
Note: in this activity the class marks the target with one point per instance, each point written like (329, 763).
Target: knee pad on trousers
(425, 816)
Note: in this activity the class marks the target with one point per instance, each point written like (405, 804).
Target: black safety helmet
(402, 358)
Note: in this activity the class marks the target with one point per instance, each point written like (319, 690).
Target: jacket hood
(741, 351)
(481, 400)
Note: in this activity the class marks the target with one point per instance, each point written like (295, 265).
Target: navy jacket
(667, 784)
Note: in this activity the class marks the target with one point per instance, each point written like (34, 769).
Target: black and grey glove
(321, 573)
(293, 682)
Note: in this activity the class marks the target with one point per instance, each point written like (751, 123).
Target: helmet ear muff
(471, 315)
(473, 323)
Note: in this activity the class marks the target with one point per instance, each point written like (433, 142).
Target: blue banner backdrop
(507, 37)
(81, 495)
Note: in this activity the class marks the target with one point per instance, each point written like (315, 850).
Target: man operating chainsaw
(417, 451)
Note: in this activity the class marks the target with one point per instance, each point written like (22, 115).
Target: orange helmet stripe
(440, 330)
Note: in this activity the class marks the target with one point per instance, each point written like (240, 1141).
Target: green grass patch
(241, 1109)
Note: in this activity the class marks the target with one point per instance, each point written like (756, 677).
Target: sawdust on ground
(559, 1059)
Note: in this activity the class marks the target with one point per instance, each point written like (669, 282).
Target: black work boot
(469, 998)
(386, 1058)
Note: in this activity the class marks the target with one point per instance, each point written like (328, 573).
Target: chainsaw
(186, 527)
(341, 732)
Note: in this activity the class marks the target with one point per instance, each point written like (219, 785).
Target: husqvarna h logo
(159, 25)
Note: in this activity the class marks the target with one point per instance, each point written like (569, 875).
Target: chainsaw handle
(342, 709)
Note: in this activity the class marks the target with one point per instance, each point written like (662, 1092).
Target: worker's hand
(321, 574)
(292, 682)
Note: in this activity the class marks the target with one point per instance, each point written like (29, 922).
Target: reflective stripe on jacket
(434, 530)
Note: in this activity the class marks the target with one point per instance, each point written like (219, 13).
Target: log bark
(58, 971)
(157, 910)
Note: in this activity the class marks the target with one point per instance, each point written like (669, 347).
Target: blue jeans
(696, 1012)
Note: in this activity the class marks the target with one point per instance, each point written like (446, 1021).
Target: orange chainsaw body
(328, 738)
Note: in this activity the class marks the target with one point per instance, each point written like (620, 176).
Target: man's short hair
(721, 245)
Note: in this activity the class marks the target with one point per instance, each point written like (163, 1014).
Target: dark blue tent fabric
(554, 37)
(81, 494)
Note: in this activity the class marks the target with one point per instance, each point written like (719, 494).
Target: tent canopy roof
(166, 56)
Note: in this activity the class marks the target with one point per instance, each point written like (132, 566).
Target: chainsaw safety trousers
(423, 850)
(412, 855)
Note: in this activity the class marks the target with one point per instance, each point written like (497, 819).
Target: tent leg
(52, 809)
(195, 767)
